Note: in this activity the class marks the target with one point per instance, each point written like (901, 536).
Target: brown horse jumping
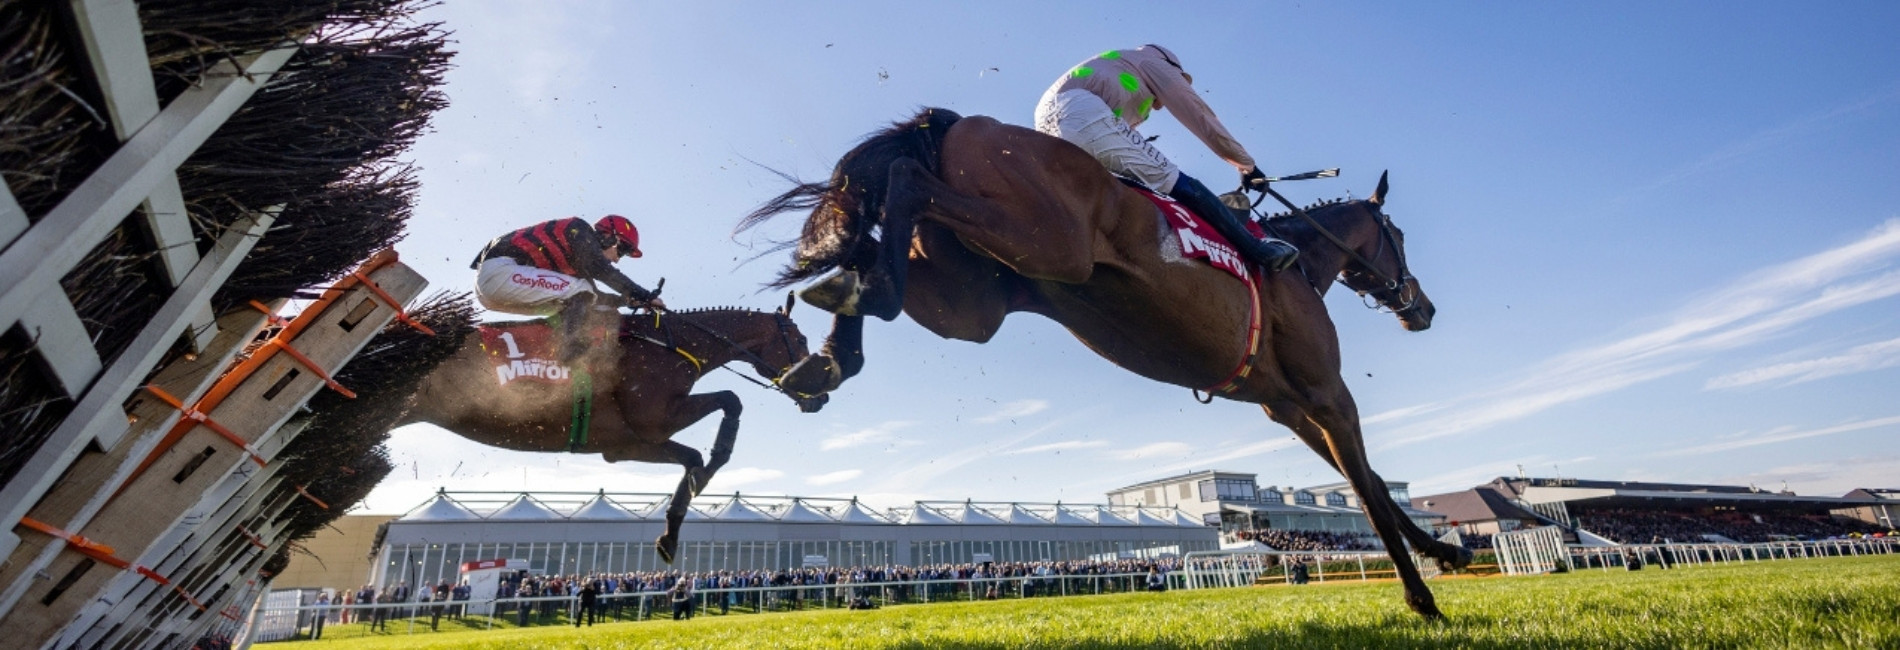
(959, 222)
(643, 400)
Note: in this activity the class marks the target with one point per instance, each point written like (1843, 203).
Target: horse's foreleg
(666, 452)
(1347, 450)
(841, 358)
(728, 432)
(1449, 557)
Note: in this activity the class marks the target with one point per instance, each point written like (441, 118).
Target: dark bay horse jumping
(642, 395)
(959, 222)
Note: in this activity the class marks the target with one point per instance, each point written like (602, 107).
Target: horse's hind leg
(1044, 241)
(955, 293)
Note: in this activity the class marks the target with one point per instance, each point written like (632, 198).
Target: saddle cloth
(1199, 240)
(526, 351)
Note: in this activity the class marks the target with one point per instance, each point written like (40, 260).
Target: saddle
(524, 351)
(530, 351)
(1198, 239)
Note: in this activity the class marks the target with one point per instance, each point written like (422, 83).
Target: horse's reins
(785, 338)
(1394, 286)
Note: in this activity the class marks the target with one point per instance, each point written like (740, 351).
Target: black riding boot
(1271, 254)
(574, 313)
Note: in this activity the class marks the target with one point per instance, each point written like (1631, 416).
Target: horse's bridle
(1394, 289)
(785, 338)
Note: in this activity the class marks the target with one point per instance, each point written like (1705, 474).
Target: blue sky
(1661, 236)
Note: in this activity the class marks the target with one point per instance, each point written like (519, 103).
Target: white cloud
(1153, 450)
(831, 478)
(1016, 409)
(1762, 141)
(1861, 358)
(1830, 478)
(732, 477)
(1782, 436)
(875, 434)
(1061, 446)
(1761, 305)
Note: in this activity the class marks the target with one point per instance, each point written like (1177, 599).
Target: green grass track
(1820, 603)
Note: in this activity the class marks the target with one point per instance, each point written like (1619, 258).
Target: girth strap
(583, 384)
(1253, 341)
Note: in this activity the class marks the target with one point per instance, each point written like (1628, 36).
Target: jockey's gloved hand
(1254, 179)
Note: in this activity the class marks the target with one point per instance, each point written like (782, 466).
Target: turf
(1820, 603)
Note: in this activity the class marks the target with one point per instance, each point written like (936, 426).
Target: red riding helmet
(616, 228)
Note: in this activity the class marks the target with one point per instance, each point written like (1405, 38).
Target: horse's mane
(1290, 227)
(704, 310)
(843, 209)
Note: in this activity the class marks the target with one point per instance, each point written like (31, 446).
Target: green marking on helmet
(1130, 83)
(1082, 71)
(1112, 55)
(1118, 112)
(1147, 105)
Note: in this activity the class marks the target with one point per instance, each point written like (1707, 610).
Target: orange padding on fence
(313, 499)
(248, 535)
(199, 417)
(103, 553)
(270, 316)
(312, 365)
(391, 301)
(245, 369)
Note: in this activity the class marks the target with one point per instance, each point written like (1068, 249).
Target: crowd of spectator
(1647, 526)
(526, 599)
(1476, 541)
(1308, 540)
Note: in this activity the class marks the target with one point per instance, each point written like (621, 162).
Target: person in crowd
(589, 596)
(319, 613)
(682, 594)
(1156, 581)
(460, 595)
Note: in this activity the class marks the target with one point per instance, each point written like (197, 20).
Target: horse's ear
(791, 298)
(1378, 195)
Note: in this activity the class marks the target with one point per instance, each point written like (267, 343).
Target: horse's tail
(844, 208)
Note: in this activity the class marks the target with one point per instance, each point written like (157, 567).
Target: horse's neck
(1321, 258)
(720, 334)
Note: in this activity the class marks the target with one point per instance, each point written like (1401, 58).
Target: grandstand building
(1596, 512)
(1236, 502)
(581, 533)
(1882, 509)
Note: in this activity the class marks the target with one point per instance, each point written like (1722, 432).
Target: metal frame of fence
(1211, 569)
(1532, 551)
(1669, 555)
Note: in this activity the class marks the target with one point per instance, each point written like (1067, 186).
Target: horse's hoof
(811, 404)
(697, 478)
(1461, 558)
(1425, 607)
(813, 375)
(837, 294)
(665, 546)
